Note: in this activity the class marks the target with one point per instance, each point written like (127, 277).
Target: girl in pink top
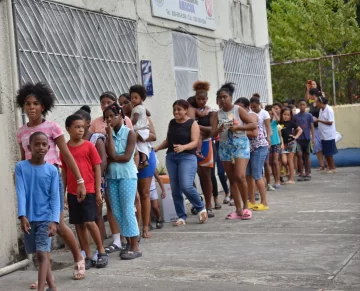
(37, 100)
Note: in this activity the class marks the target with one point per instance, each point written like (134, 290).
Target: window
(246, 67)
(78, 53)
(185, 64)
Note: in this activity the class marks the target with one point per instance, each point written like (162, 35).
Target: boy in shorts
(304, 120)
(37, 189)
(82, 209)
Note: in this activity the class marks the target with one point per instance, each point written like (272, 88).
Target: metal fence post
(333, 78)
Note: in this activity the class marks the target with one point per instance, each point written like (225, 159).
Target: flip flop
(217, 206)
(180, 222)
(130, 255)
(34, 286)
(203, 216)
(233, 216)
(112, 248)
(261, 207)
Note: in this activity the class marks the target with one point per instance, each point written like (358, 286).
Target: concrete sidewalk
(308, 240)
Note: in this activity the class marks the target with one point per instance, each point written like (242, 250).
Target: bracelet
(80, 181)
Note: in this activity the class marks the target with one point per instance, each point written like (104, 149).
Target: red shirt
(86, 157)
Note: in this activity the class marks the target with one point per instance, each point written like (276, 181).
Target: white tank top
(230, 118)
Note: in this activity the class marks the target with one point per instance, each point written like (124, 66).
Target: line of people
(112, 158)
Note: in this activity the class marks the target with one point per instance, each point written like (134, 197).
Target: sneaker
(277, 186)
(257, 196)
(231, 203)
(270, 188)
(210, 213)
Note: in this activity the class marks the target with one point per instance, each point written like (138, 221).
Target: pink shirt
(98, 125)
(51, 129)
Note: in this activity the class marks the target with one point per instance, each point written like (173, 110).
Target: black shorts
(84, 211)
(304, 146)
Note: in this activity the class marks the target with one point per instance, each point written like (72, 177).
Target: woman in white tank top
(231, 123)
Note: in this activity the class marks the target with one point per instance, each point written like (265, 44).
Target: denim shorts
(256, 163)
(38, 239)
(289, 148)
(236, 148)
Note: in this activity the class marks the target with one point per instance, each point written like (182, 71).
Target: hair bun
(229, 86)
(201, 85)
(86, 108)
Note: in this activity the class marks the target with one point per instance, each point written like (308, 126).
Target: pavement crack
(344, 265)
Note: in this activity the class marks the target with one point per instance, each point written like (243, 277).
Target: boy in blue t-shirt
(306, 121)
(37, 188)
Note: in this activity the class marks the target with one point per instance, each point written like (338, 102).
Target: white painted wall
(8, 150)
(235, 20)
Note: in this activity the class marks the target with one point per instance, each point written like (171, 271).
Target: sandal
(112, 248)
(130, 255)
(289, 182)
(226, 200)
(79, 270)
(180, 222)
(261, 207)
(217, 206)
(102, 261)
(233, 215)
(231, 203)
(203, 216)
(88, 263)
(159, 223)
(124, 249)
(321, 169)
(247, 214)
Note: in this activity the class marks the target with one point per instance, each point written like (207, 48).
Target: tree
(313, 28)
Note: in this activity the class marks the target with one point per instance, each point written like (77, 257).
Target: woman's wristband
(80, 181)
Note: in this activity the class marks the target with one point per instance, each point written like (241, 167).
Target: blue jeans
(221, 170)
(182, 169)
(256, 163)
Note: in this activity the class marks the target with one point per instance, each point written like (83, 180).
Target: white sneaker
(270, 188)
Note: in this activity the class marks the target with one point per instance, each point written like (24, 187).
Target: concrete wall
(8, 149)
(347, 120)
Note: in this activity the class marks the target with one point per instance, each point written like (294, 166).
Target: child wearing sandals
(37, 189)
(98, 140)
(37, 100)
(82, 208)
(288, 149)
(122, 178)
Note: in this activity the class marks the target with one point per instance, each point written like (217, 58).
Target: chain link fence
(338, 76)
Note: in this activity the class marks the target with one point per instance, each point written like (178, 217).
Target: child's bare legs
(234, 190)
(156, 208)
(95, 234)
(44, 265)
(240, 170)
(50, 276)
(300, 162)
(274, 158)
(99, 220)
(320, 158)
(83, 238)
(267, 172)
(290, 162)
(138, 208)
(68, 236)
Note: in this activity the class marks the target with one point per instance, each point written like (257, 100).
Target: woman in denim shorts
(259, 147)
(231, 123)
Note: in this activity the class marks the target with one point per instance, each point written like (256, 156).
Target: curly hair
(140, 90)
(116, 109)
(201, 86)
(40, 91)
